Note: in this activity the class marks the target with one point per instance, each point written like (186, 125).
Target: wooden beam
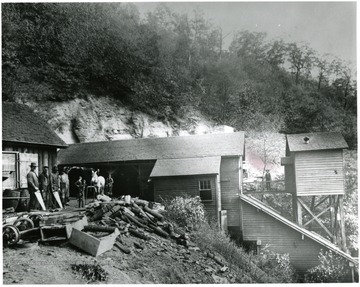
(318, 215)
(342, 223)
(315, 218)
(267, 192)
(317, 204)
(332, 216)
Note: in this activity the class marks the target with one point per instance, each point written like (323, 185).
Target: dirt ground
(161, 261)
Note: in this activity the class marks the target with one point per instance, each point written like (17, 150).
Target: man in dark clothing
(55, 185)
(268, 179)
(44, 186)
(109, 185)
(80, 184)
(33, 186)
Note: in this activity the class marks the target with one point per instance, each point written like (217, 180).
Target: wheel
(11, 235)
(36, 218)
(24, 224)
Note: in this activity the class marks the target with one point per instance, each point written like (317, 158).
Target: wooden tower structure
(314, 175)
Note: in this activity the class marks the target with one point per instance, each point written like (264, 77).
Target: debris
(122, 248)
(92, 272)
(138, 245)
(219, 280)
(91, 244)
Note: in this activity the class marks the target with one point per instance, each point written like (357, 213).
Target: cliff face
(101, 119)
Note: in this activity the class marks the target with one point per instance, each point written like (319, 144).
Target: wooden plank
(92, 245)
(317, 216)
(316, 219)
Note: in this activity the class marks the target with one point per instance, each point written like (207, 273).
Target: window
(205, 190)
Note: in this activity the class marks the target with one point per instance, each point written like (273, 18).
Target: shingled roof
(317, 141)
(21, 124)
(186, 166)
(210, 145)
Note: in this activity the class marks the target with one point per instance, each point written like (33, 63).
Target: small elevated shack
(314, 167)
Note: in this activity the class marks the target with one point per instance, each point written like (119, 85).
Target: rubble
(131, 228)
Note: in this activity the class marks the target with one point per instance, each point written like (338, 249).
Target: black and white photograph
(179, 142)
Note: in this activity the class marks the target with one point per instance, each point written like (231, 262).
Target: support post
(299, 213)
(218, 201)
(332, 218)
(342, 223)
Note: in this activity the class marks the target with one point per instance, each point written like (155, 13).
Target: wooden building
(263, 226)
(314, 167)
(26, 138)
(209, 166)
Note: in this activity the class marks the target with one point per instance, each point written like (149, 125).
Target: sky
(328, 27)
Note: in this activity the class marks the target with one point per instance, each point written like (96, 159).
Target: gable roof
(209, 145)
(316, 237)
(318, 141)
(186, 166)
(22, 125)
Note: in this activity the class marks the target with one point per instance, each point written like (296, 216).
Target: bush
(330, 269)
(276, 265)
(185, 211)
(250, 268)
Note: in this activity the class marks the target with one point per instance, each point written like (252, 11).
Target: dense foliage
(185, 211)
(330, 269)
(169, 61)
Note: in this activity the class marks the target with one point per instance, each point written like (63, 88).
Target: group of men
(47, 184)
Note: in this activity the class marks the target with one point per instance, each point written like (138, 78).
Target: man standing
(109, 185)
(268, 179)
(44, 185)
(33, 186)
(55, 185)
(80, 184)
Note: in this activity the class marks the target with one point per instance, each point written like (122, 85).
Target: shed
(265, 226)
(314, 164)
(26, 138)
(206, 165)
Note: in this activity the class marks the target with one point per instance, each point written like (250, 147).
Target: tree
(300, 58)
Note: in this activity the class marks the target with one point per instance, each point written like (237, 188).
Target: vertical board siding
(45, 154)
(281, 239)
(319, 173)
(167, 188)
(229, 182)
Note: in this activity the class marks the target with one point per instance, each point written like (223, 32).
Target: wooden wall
(303, 251)
(47, 156)
(319, 172)
(169, 187)
(230, 183)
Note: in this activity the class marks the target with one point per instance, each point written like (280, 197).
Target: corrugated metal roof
(21, 124)
(186, 166)
(316, 237)
(209, 145)
(317, 141)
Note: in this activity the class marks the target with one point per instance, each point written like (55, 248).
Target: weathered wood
(138, 234)
(153, 213)
(122, 248)
(97, 228)
(342, 223)
(159, 231)
(92, 245)
(315, 218)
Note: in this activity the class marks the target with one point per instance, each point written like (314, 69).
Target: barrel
(11, 198)
(24, 200)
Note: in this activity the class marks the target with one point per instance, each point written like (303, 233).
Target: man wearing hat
(44, 185)
(33, 186)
